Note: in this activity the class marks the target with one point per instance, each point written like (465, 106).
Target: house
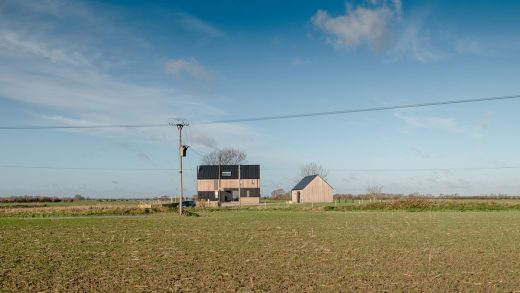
(312, 189)
(229, 183)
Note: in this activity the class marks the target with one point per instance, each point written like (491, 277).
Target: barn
(229, 183)
(312, 189)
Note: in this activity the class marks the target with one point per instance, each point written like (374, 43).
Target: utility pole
(180, 123)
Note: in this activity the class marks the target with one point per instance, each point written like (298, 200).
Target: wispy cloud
(181, 67)
(448, 124)
(15, 42)
(299, 61)
(63, 78)
(472, 46)
(138, 153)
(198, 25)
(382, 27)
(211, 135)
(420, 153)
(414, 41)
(54, 8)
(204, 139)
(371, 24)
(482, 127)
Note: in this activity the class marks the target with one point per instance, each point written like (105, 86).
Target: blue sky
(112, 62)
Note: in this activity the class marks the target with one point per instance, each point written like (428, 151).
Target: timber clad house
(229, 183)
(312, 189)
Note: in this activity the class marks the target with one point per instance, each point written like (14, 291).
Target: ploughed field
(264, 251)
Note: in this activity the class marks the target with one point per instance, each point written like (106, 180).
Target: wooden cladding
(316, 190)
(250, 200)
(213, 185)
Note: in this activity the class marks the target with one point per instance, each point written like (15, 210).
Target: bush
(189, 213)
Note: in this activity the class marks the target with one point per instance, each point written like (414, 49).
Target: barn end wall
(316, 191)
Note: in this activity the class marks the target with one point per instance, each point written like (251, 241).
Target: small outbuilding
(312, 189)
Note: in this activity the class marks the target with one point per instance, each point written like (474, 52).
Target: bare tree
(280, 194)
(277, 192)
(375, 190)
(227, 156)
(310, 169)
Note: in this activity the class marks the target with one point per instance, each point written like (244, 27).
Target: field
(264, 251)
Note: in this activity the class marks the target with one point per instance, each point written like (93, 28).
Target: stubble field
(264, 251)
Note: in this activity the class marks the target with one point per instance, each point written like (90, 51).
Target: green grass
(69, 211)
(264, 251)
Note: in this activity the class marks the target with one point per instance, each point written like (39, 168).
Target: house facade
(229, 183)
(312, 189)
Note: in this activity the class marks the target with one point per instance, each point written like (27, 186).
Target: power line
(264, 118)
(407, 169)
(33, 127)
(263, 169)
(373, 109)
(86, 168)
(426, 169)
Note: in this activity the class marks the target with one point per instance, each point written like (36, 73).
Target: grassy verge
(406, 204)
(88, 202)
(418, 205)
(68, 211)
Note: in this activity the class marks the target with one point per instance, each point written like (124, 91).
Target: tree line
(40, 198)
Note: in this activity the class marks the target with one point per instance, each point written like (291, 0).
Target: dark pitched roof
(228, 172)
(304, 182)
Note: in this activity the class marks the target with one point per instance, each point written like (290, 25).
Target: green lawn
(264, 251)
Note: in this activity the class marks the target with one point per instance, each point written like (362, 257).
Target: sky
(82, 63)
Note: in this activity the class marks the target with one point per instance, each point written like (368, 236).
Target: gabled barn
(229, 183)
(312, 189)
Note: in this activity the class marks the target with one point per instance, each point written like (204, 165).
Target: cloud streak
(471, 46)
(68, 79)
(190, 67)
(14, 42)
(359, 25)
(382, 27)
(447, 124)
(195, 24)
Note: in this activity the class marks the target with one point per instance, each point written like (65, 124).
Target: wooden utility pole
(182, 153)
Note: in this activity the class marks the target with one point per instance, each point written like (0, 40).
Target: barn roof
(306, 180)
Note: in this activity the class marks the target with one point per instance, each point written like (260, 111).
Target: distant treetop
(227, 156)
